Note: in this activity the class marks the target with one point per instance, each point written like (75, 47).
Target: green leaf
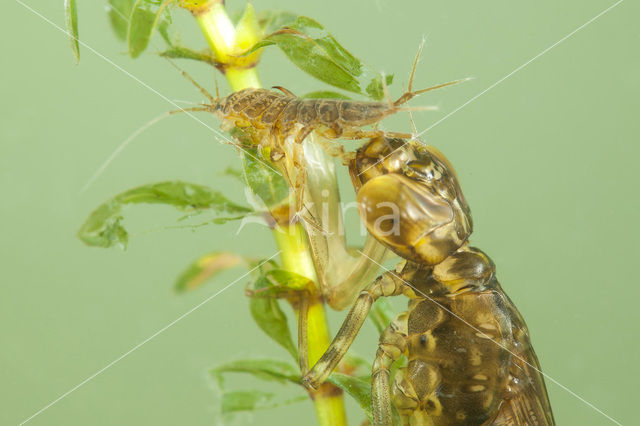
(145, 17)
(252, 400)
(271, 21)
(166, 31)
(103, 229)
(324, 94)
(263, 369)
(262, 265)
(308, 55)
(381, 314)
(244, 400)
(248, 30)
(178, 51)
(355, 365)
(280, 284)
(182, 195)
(375, 90)
(272, 321)
(225, 219)
(358, 388)
(315, 51)
(216, 221)
(119, 13)
(287, 279)
(205, 268)
(71, 20)
(234, 173)
(339, 54)
(268, 185)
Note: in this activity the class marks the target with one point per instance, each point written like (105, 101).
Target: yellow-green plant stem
(295, 255)
(242, 78)
(227, 43)
(292, 242)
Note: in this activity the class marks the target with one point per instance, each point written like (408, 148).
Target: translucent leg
(342, 273)
(363, 270)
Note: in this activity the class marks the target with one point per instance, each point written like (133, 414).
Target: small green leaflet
(271, 21)
(287, 279)
(268, 315)
(358, 388)
(134, 22)
(103, 229)
(252, 400)
(71, 20)
(248, 30)
(263, 369)
(381, 314)
(315, 51)
(375, 89)
(324, 94)
(269, 186)
(146, 16)
(234, 173)
(355, 365)
(177, 50)
(119, 13)
(205, 268)
(244, 400)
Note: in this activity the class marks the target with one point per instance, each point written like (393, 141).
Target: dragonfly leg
(393, 343)
(385, 285)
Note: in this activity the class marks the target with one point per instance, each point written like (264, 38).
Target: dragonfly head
(410, 200)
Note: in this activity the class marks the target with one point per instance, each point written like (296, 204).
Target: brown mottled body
(526, 400)
(281, 121)
(470, 360)
(468, 352)
(280, 115)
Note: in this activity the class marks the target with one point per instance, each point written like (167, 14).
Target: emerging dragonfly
(469, 356)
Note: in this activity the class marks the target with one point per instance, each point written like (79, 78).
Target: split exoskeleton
(469, 357)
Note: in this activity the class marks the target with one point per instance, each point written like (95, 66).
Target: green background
(548, 160)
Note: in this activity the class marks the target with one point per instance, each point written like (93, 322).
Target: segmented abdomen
(457, 363)
(262, 109)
